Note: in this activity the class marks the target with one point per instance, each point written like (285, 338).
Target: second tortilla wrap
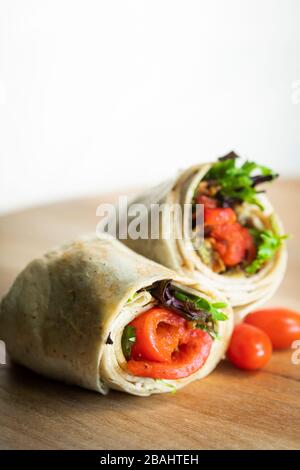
(178, 253)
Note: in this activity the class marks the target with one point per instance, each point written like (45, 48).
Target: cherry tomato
(166, 347)
(280, 324)
(250, 348)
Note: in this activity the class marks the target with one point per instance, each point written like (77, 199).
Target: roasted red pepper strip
(166, 347)
(158, 333)
(219, 216)
(232, 241)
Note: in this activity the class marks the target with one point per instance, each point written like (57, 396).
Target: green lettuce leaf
(237, 183)
(128, 340)
(267, 242)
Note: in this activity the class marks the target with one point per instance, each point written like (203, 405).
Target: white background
(99, 96)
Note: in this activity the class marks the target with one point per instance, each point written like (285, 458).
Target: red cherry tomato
(166, 347)
(280, 324)
(250, 348)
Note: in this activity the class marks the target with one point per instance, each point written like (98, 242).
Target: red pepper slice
(234, 243)
(219, 216)
(209, 202)
(166, 347)
(158, 333)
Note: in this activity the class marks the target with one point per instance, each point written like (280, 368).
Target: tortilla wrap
(64, 316)
(244, 292)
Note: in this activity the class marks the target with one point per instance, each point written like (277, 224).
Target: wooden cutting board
(229, 409)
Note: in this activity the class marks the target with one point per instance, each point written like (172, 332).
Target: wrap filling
(173, 338)
(235, 238)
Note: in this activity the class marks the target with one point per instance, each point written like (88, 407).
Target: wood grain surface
(229, 409)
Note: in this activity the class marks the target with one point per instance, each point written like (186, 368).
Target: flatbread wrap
(242, 253)
(95, 314)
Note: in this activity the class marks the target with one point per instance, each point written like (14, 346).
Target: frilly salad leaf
(267, 242)
(238, 183)
(196, 309)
